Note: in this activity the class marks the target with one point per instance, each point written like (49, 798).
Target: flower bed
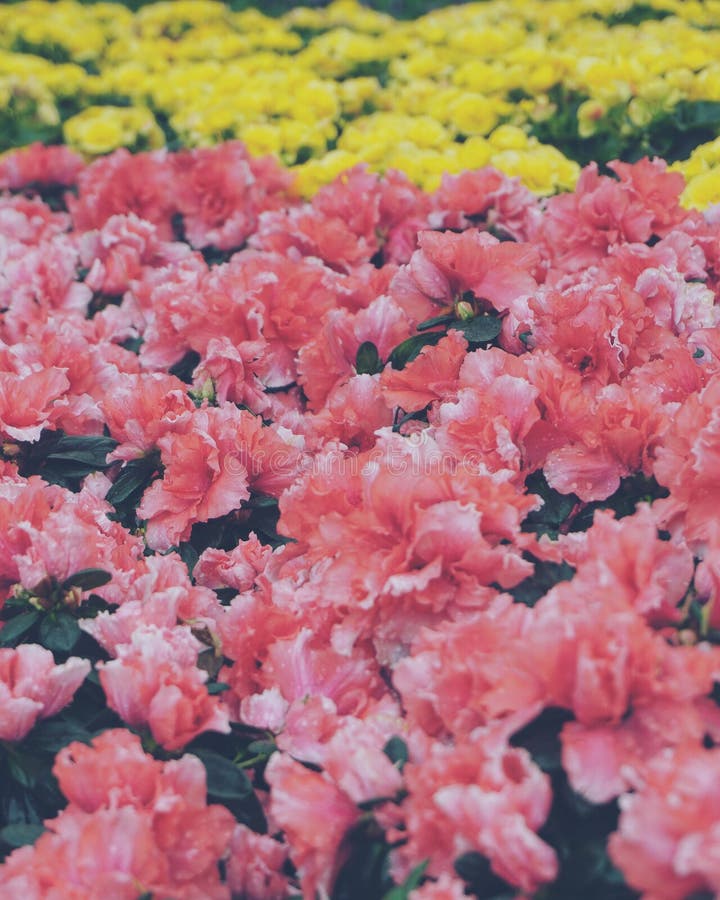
(361, 547)
(534, 88)
(359, 531)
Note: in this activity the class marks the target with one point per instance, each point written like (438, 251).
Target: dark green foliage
(546, 575)
(414, 879)
(184, 367)
(673, 135)
(555, 510)
(633, 490)
(86, 580)
(65, 459)
(577, 829)
(225, 757)
(225, 781)
(129, 486)
(59, 631)
(404, 9)
(364, 874)
(479, 330)
(367, 360)
(637, 13)
(566, 512)
(410, 349)
(474, 868)
(30, 792)
(44, 614)
(445, 319)
(396, 751)
(16, 628)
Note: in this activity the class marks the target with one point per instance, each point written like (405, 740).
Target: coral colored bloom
(447, 265)
(26, 402)
(32, 687)
(220, 197)
(204, 478)
(479, 796)
(37, 164)
(667, 838)
(141, 408)
(122, 183)
(133, 824)
(315, 816)
(431, 376)
(154, 682)
(254, 868)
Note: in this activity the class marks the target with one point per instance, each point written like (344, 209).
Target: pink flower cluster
(32, 687)
(132, 825)
(389, 612)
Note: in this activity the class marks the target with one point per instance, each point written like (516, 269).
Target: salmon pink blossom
(32, 687)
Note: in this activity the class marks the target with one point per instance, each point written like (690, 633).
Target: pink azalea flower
(315, 816)
(668, 831)
(154, 682)
(479, 796)
(32, 687)
(37, 164)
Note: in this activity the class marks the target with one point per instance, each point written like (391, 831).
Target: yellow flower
(101, 129)
(509, 137)
(542, 168)
(474, 153)
(262, 138)
(313, 174)
(702, 190)
(356, 95)
(589, 116)
(475, 113)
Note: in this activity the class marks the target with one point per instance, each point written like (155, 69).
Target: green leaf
(133, 478)
(546, 575)
(51, 735)
(555, 509)
(224, 780)
(635, 14)
(262, 748)
(697, 114)
(189, 555)
(414, 879)
(217, 687)
(445, 319)
(13, 630)
(262, 501)
(280, 388)
(86, 450)
(132, 344)
(474, 868)
(364, 872)
(96, 604)
(480, 329)
(396, 751)
(25, 770)
(20, 834)
(367, 359)
(87, 579)
(184, 367)
(407, 351)
(59, 631)
(541, 738)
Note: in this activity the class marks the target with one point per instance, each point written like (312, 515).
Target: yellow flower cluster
(702, 173)
(322, 89)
